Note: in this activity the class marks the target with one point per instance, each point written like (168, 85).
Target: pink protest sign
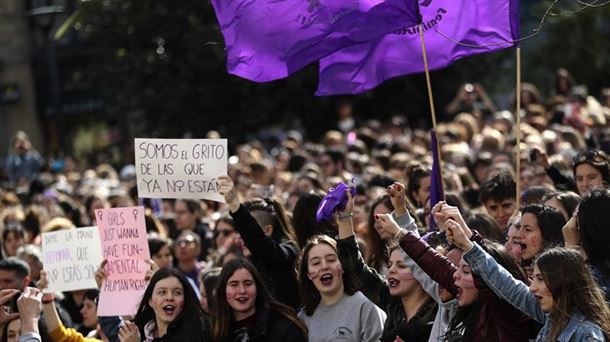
(124, 245)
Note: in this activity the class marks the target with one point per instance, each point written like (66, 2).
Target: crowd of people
(506, 256)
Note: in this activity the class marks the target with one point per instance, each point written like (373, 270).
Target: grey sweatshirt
(353, 318)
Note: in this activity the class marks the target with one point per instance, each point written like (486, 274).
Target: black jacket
(270, 327)
(276, 261)
(180, 332)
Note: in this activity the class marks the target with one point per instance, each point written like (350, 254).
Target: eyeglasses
(223, 232)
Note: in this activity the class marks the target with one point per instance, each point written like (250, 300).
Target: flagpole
(431, 100)
(518, 133)
(428, 83)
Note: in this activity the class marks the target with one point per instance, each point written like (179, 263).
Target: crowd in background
(260, 267)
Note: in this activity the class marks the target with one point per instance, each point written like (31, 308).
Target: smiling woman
(327, 295)
(169, 311)
(245, 311)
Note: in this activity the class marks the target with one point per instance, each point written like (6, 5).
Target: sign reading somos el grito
(180, 168)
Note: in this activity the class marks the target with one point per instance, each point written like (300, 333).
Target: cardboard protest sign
(180, 168)
(70, 258)
(125, 246)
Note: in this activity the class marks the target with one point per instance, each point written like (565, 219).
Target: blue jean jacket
(505, 286)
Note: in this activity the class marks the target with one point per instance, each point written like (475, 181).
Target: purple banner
(359, 68)
(269, 39)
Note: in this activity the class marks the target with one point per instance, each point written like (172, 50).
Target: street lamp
(44, 18)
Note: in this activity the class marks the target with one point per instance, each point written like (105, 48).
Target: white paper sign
(70, 258)
(180, 168)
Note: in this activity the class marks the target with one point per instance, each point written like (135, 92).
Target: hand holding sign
(227, 189)
(180, 168)
(126, 254)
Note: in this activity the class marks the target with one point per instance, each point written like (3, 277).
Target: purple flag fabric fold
(436, 178)
(269, 39)
(359, 68)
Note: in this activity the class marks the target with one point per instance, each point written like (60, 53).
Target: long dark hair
(310, 296)
(572, 287)
(271, 212)
(568, 199)
(378, 247)
(192, 314)
(593, 218)
(304, 219)
(550, 222)
(466, 317)
(415, 176)
(224, 313)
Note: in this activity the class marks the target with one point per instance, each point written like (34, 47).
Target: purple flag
(436, 178)
(269, 39)
(359, 68)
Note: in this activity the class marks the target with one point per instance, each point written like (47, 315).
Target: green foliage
(579, 42)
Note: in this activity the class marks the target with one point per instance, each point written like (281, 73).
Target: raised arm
(396, 192)
(262, 247)
(364, 278)
(496, 277)
(29, 304)
(439, 268)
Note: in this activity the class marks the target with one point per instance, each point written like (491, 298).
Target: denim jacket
(503, 284)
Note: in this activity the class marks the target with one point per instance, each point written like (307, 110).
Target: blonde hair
(56, 224)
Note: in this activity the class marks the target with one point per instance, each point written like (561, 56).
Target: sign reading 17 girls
(180, 168)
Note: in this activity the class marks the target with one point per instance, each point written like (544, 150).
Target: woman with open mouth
(409, 308)
(563, 295)
(245, 311)
(169, 311)
(377, 240)
(481, 315)
(540, 229)
(332, 309)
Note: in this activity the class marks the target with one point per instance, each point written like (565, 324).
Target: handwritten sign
(70, 258)
(180, 168)
(124, 245)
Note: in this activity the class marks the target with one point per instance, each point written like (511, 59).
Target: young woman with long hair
(267, 234)
(409, 308)
(169, 311)
(332, 308)
(376, 254)
(588, 228)
(245, 311)
(481, 315)
(563, 295)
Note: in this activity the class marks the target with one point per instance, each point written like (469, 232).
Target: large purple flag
(359, 68)
(270, 39)
(436, 178)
